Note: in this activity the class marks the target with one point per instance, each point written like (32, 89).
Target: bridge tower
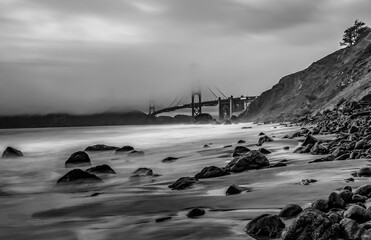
(152, 107)
(196, 107)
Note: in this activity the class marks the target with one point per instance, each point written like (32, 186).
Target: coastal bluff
(344, 74)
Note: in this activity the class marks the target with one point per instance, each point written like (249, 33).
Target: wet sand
(128, 208)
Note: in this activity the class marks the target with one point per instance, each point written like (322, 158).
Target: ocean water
(33, 207)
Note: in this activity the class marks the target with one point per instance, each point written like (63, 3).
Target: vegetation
(352, 33)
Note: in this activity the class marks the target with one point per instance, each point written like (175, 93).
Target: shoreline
(148, 199)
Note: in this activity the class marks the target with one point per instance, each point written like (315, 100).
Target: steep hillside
(345, 73)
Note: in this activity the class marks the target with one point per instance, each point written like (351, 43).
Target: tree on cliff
(352, 33)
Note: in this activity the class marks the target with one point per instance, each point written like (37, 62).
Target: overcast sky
(84, 56)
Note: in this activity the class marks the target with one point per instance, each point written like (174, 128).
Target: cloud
(93, 55)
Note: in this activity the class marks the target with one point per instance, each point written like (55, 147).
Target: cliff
(345, 73)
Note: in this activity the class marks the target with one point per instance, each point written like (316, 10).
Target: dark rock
(363, 190)
(142, 172)
(324, 159)
(227, 146)
(290, 211)
(253, 160)
(307, 181)
(10, 152)
(136, 153)
(241, 141)
(312, 224)
(335, 201)
(239, 150)
(233, 190)
(196, 212)
(265, 225)
(125, 149)
(261, 134)
(309, 140)
(357, 213)
(183, 183)
(264, 151)
(364, 172)
(78, 176)
(286, 148)
(279, 164)
(100, 147)
(78, 159)
(358, 198)
(163, 219)
(359, 145)
(96, 194)
(206, 146)
(320, 204)
(350, 229)
(169, 159)
(264, 139)
(210, 172)
(353, 129)
(346, 195)
(101, 169)
(246, 127)
(344, 156)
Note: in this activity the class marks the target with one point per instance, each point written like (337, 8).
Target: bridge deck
(206, 103)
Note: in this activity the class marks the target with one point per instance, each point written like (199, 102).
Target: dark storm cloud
(93, 55)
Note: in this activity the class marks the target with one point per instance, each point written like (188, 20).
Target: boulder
(346, 195)
(100, 147)
(253, 160)
(309, 140)
(77, 176)
(264, 151)
(233, 190)
(357, 213)
(350, 229)
(169, 159)
(101, 169)
(78, 159)
(320, 204)
(195, 213)
(264, 139)
(363, 190)
(241, 141)
(124, 149)
(364, 172)
(210, 172)
(11, 152)
(183, 183)
(265, 225)
(142, 172)
(335, 201)
(239, 150)
(312, 224)
(290, 211)
(353, 129)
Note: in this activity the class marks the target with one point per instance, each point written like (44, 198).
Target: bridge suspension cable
(220, 91)
(179, 101)
(171, 104)
(213, 93)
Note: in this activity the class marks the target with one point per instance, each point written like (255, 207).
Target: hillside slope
(345, 73)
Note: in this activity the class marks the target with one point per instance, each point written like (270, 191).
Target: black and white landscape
(208, 119)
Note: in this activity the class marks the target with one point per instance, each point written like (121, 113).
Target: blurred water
(30, 181)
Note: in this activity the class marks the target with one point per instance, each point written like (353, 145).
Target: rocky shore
(284, 172)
